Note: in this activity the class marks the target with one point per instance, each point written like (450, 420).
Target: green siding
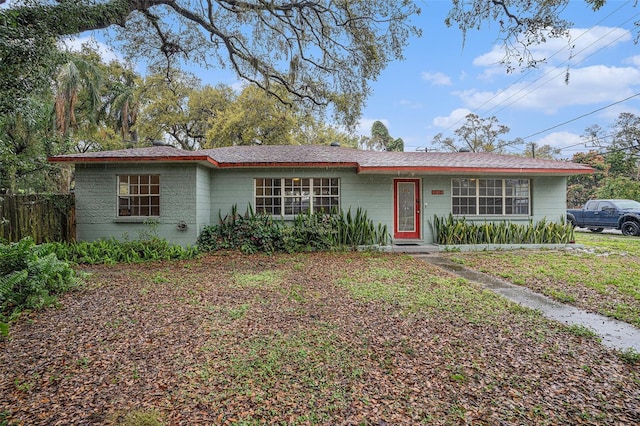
(197, 195)
(203, 198)
(372, 193)
(96, 202)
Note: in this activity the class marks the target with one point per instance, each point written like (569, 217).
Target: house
(117, 192)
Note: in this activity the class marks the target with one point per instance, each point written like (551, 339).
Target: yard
(324, 338)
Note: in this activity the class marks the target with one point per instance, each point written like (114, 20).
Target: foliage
(88, 106)
(179, 109)
(381, 140)
(256, 117)
(252, 233)
(477, 135)
(616, 163)
(316, 51)
(249, 233)
(29, 56)
(457, 231)
(321, 231)
(542, 151)
(322, 53)
(620, 187)
(582, 188)
(111, 251)
(31, 278)
(630, 356)
(522, 24)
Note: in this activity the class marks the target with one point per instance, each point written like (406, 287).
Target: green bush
(32, 277)
(250, 233)
(454, 231)
(110, 251)
(318, 231)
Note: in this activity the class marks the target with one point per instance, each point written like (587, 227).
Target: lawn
(325, 338)
(602, 276)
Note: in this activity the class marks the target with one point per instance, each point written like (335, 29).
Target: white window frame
(484, 197)
(291, 196)
(138, 195)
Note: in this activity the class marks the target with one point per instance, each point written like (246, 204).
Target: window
(291, 196)
(490, 196)
(138, 195)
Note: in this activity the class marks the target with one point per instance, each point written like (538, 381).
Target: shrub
(250, 233)
(318, 231)
(454, 231)
(110, 251)
(32, 277)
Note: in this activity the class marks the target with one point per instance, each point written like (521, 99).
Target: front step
(412, 248)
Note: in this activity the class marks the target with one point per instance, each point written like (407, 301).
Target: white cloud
(581, 44)
(457, 116)
(587, 86)
(437, 78)
(562, 140)
(633, 60)
(364, 125)
(107, 54)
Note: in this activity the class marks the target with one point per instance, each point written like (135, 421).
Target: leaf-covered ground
(303, 339)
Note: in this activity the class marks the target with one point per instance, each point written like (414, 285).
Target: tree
(620, 187)
(121, 101)
(477, 135)
(542, 151)
(322, 52)
(381, 140)
(257, 117)
(582, 188)
(617, 172)
(523, 23)
(620, 145)
(177, 108)
(79, 74)
(72, 115)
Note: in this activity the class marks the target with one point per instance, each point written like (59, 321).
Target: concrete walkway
(615, 334)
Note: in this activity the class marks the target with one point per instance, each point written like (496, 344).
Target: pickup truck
(597, 215)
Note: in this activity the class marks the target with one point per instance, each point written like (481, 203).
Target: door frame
(416, 234)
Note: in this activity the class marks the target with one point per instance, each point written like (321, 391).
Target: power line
(579, 117)
(545, 74)
(571, 42)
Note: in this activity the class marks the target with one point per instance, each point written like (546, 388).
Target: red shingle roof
(327, 156)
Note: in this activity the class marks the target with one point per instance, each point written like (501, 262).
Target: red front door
(406, 209)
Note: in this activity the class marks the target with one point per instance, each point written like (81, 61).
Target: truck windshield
(628, 205)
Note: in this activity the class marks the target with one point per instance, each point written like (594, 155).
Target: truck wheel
(630, 228)
(596, 229)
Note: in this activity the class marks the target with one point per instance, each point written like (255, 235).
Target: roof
(313, 156)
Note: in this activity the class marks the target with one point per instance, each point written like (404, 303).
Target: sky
(444, 77)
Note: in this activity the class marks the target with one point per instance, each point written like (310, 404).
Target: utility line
(554, 54)
(581, 116)
(562, 63)
(557, 74)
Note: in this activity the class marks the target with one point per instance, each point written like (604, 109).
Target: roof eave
(203, 159)
(391, 170)
(293, 164)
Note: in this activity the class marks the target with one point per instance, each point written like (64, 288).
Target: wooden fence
(43, 217)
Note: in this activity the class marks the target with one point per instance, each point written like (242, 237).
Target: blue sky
(443, 79)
